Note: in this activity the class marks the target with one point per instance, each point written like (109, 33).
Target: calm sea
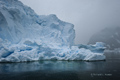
(63, 70)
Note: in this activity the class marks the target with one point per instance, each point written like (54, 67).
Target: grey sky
(88, 16)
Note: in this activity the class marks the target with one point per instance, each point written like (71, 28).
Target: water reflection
(50, 65)
(63, 70)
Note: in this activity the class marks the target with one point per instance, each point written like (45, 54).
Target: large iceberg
(26, 36)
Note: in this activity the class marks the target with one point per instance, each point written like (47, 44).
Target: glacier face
(26, 36)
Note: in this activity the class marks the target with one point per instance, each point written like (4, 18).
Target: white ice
(26, 36)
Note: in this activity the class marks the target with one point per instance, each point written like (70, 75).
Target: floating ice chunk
(25, 36)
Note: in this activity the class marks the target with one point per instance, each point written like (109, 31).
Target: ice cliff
(26, 36)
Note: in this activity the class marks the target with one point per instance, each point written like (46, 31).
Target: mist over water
(88, 16)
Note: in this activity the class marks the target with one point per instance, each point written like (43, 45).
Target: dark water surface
(63, 70)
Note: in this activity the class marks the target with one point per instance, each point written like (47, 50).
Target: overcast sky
(88, 16)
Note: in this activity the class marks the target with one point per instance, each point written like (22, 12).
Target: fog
(88, 16)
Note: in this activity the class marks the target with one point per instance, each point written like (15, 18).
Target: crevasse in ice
(26, 36)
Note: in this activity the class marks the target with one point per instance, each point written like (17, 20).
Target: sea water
(63, 70)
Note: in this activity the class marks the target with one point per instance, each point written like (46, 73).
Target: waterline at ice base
(26, 36)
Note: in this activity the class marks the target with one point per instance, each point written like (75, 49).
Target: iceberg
(99, 47)
(26, 36)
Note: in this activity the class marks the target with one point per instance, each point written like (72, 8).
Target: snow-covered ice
(26, 36)
(97, 48)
